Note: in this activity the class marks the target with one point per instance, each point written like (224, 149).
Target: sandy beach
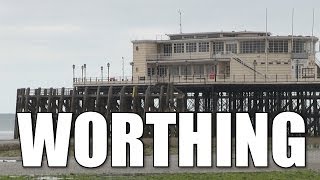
(13, 165)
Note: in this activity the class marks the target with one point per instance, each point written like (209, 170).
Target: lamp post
(131, 64)
(157, 70)
(108, 66)
(186, 70)
(85, 71)
(297, 69)
(73, 72)
(122, 68)
(254, 68)
(82, 72)
(101, 73)
(215, 69)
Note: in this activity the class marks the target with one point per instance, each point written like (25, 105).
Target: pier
(245, 71)
(302, 97)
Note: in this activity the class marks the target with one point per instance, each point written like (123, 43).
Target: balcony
(159, 57)
(303, 55)
(182, 57)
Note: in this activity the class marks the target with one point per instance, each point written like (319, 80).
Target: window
(179, 48)
(202, 37)
(224, 69)
(203, 46)
(167, 49)
(231, 48)
(151, 71)
(137, 69)
(186, 70)
(137, 48)
(191, 47)
(252, 47)
(229, 35)
(211, 69)
(187, 37)
(218, 47)
(308, 72)
(298, 46)
(174, 70)
(278, 46)
(227, 71)
(162, 71)
(198, 70)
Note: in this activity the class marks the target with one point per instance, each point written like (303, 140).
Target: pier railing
(49, 91)
(198, 79)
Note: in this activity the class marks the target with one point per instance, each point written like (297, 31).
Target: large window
(252, 46)
(179, 48)
(203, 46)
(162, 71)
(231, 48)
(186, 70)
(174, 70)
(210, 69)
(191, 47)
(278, 46)
(298, 46)
(218, 47)
(151, 71)
(308, 72)
(187, 37)
(198, 70)
(167, 49)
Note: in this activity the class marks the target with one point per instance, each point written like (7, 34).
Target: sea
(6, 126)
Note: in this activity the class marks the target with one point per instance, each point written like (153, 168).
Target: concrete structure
(225, 56)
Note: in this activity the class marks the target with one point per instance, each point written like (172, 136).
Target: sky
(40, 40)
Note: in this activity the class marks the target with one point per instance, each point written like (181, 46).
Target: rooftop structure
(221, 57)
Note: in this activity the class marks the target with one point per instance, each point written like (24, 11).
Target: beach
(13, 165)
(6, 126)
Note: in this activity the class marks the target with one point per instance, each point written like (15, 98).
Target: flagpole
(266, 43)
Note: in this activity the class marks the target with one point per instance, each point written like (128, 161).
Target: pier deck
(300, 97)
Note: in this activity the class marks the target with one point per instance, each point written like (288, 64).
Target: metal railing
(197, 79)
(48, 91)
(159, 56)
(317, 61)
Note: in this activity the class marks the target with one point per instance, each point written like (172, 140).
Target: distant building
(225, 56)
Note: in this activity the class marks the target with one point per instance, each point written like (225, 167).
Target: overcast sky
(41, 39)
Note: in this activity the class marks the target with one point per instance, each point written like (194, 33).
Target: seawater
(6, 126)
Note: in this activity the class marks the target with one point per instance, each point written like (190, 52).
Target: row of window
(298, 46)
(190, 47)
(200, 69)
(177, 70)
(278, 46)
(252, 47)
(246, 47)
